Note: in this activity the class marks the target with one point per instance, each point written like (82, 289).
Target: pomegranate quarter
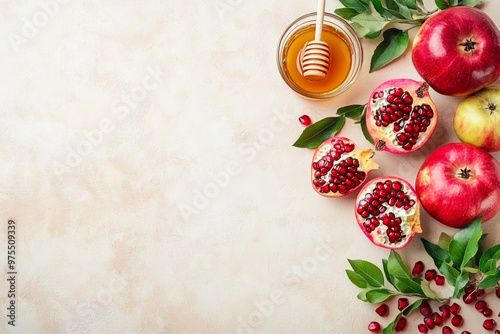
(387, 210)
(339, 167)
(401, 115)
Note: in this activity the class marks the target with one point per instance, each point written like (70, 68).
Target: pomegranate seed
(489, 324)
(457, 320)
(480, 293)
(438, 320)
(425, 309)
(469, 289)
(469, 299)
(496, 331)
(467, 332)
(422, 328)
(418, 268)
(487, 312)
(382, 310)
(429, 322)
(401, 325)
(402, 303)
(445, 312)
(440, 280)
(497, 292)
(374, 327)
(447, 330)
(305, 120)
(430, 275)
(455, 308)
(481, 305)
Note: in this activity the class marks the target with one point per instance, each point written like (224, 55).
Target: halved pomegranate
(387, 210)
(339, 167)
(401, 115)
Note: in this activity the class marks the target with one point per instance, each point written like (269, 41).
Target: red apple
(477, 119)
(457, 183)
(457, 51)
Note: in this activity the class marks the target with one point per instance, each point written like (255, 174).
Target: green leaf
(442, 4)
(481, 249)
(377, 295)
(471, 270)
(377, 4)
(368, 24)
(412, 307)
(356, 279)
(488, 262)
(437, 254)
(392, 326)
(470, 3)
(490, 281)
(407, 285)
(460, 284)
(453, 3)
(362, 295)
(386, 272)
(402, 8)
(426, 288)
(370, 272)
(465, 243)
(364, 129)
(359, 5)
(450, 273)
(394, 45)
(346, 13)
(412, 4)
(396, 267)
(353, 111)
(444, 241)
(318, 132)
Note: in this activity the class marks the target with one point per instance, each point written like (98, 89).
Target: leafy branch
(372, 17)
(459, 258)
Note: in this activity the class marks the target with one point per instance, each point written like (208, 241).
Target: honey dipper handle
(319, 20)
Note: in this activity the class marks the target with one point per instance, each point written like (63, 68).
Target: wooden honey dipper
(313, 60)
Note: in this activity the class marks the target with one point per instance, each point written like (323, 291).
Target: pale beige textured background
(97, 181)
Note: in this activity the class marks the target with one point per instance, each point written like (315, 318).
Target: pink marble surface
(146, 158)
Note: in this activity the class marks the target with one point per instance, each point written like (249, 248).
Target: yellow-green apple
(477, 119)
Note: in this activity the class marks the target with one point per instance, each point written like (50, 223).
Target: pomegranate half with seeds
(401, 116)
(339, 167)
(387, 210)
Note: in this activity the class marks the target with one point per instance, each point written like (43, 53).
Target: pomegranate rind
(367, 164)
(385, 137)
(411, 221)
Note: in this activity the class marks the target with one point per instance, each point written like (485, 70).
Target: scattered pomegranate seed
(374, 327)
(445, 311)
(457, 320)
(430, 275)
(422, 328)
(438, 320)
(469, 299)
(480, 293)
(425, 308)
(455, 308)
(469, 289)
(418, 268)
(402, 303)
(382, 310)
(467, 332)
(496, 332)
(447, 330)
(481, 305)
(401, 325)
(305, 120)
(487, 312)
(429, 322)
(497, 292)
(489, 324)
(440, 280)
